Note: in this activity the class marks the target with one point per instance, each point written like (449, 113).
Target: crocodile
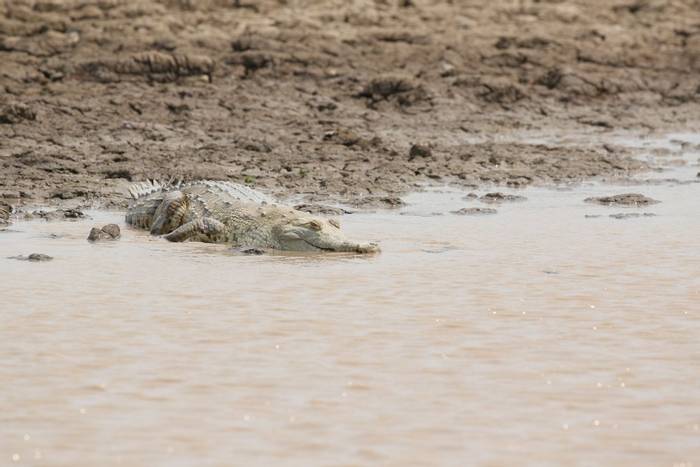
(226, 212)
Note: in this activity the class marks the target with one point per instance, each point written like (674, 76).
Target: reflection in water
(535, 334)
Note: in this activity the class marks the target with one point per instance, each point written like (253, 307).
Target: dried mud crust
(327, 98)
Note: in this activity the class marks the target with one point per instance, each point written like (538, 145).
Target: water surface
(535, 336)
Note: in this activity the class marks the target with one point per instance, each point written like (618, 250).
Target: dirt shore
(350, 101)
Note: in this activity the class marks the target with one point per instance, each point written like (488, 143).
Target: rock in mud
(625, 199)
(474, 211)
(322, 209)
(631, 215)
(108, 232)
(498, 197)
(34, 257)
(419, 150)
(16, 113)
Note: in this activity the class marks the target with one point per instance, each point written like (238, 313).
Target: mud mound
(327, 98)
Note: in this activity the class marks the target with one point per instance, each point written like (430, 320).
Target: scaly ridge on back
(139, 190)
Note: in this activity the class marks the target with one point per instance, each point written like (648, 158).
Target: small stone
(112, 230)
(474, 211)
(108, 232)
(419, 150)
(498, 197)
(625, 199)
(470, 196)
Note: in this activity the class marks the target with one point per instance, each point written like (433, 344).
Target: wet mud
(354, 102)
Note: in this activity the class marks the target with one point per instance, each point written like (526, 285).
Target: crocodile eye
(314, 225)
(334, 223)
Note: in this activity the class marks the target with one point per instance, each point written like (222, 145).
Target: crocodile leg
(170, 214)
(205, 229)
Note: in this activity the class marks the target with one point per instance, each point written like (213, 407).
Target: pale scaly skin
(223, 212)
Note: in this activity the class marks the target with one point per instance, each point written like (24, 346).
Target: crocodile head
(315, 234)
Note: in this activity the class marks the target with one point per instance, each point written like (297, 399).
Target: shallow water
(535, 336)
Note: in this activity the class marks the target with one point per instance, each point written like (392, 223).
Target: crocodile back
(226, 191)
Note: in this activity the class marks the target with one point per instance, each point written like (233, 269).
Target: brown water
(533, 337)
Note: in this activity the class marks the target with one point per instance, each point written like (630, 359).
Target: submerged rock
(499, 197)
(108, 232)
(631, 215)
(34, 257)
(625, 199)
(474, 211)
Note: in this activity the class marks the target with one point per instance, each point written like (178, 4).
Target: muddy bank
(352, 101)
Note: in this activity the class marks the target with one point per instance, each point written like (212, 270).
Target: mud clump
(34, 257)
(16, 113)
(419, 150)
(498, 197)
(400, 89)
(625, 199)
(108, 232)
(156, 66)
(343, 137)
(475, 211)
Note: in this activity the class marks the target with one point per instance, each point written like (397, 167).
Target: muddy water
(535, 336)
